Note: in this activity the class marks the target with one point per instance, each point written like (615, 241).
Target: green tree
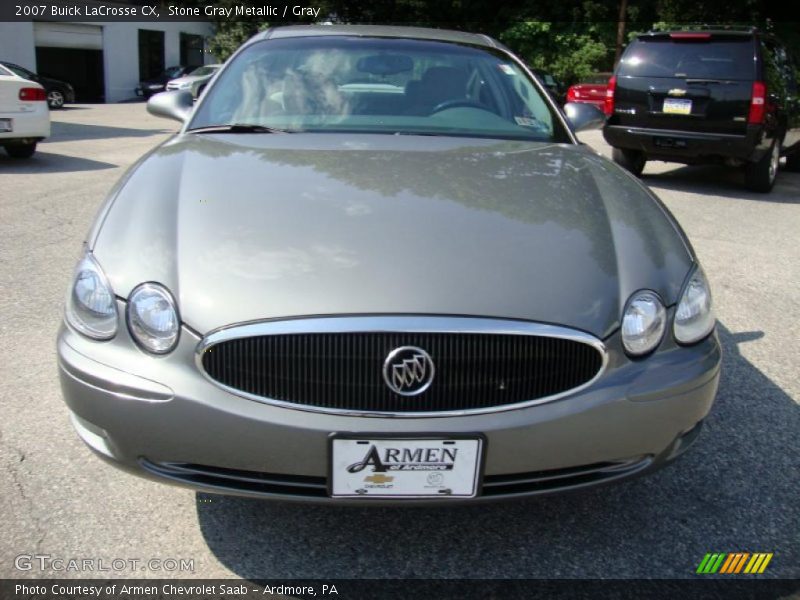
(568, 51)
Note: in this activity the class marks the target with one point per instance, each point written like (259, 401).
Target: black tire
(55, 99)
(793, 161)
(21, 150)
(760, 176)
(630, 160)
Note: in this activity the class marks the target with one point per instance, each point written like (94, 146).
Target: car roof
(419, 33)
(12, 65)
(710, 32)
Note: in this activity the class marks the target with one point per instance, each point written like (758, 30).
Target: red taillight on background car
(31, 94)
(608, 105)
(572, 94)
(757, 103)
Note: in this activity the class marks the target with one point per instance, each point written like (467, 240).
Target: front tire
(760, 176)
(55, 99)
(630, 160)
(21, 150)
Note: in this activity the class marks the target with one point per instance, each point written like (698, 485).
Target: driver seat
(439, 84)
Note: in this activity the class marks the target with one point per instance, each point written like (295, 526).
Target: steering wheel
(458, 103)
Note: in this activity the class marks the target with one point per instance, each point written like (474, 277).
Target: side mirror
(584, 116)
(175, 105)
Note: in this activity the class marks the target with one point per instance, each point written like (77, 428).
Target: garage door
(72, 53)
(68, 35)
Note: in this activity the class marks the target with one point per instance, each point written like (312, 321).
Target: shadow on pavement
(63, 132)
(47, 162)
(736, 490)
(724, 181)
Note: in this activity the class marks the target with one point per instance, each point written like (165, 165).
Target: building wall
(16, 44)
(120, 50)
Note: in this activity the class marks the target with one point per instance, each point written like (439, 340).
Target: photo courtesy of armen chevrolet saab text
(376, 266)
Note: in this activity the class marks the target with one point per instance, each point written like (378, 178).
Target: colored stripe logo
(732, 563)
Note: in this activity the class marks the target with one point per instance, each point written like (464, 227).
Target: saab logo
(734, 563)
(406, 459)
(379, 478)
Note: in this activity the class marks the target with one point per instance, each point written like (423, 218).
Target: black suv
(706, 96)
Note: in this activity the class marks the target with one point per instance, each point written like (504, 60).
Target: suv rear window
(717, 58)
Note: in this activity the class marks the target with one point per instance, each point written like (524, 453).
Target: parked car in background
(24, 116)
(590, 90)
(443, 296)
(706, 96)
(58, 92)
(158, 84)
(194, 81)
(553, 85)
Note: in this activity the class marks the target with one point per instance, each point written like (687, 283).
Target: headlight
(91, 305)
(643, 322)
(694, 318)
(152, 318)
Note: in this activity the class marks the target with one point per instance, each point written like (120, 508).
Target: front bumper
(689, 146)
(170, 423)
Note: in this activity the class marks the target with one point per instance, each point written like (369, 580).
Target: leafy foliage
(561, 49)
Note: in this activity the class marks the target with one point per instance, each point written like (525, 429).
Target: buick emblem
(408, 370)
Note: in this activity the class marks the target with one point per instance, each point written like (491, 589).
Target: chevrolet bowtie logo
(379, 478)
(677, 92)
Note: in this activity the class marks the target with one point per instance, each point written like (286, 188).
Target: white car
(24, 116)
(194, 81)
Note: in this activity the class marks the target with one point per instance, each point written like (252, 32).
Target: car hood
(249, 227)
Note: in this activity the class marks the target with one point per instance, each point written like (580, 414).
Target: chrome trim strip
(397, 324)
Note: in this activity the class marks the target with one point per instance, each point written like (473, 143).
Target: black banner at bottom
(346, 589)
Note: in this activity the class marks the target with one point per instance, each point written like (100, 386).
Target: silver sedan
(375, 265)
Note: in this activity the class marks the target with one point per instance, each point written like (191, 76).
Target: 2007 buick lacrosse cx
(375, 265)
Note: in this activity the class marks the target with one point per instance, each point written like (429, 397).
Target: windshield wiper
(237, 128)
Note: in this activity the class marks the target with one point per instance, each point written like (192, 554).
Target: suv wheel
(760, 176)
(55, 99)
(21, 150)
(631, 160)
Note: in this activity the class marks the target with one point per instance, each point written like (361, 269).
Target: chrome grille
(342, 371)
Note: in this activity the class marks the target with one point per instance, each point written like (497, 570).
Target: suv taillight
(608, 105)
(32, 95)
(757, 103)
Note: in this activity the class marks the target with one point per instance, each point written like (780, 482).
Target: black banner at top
(89, 11)
(383, 11)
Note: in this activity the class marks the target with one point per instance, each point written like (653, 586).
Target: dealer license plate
(405, 467)
(6, 125)
(677, 106)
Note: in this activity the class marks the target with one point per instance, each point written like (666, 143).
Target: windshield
(172, 71)
(597, 79)
(379, 85)
(203, 71)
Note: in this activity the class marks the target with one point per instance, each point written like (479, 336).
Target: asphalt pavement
(736, 490)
